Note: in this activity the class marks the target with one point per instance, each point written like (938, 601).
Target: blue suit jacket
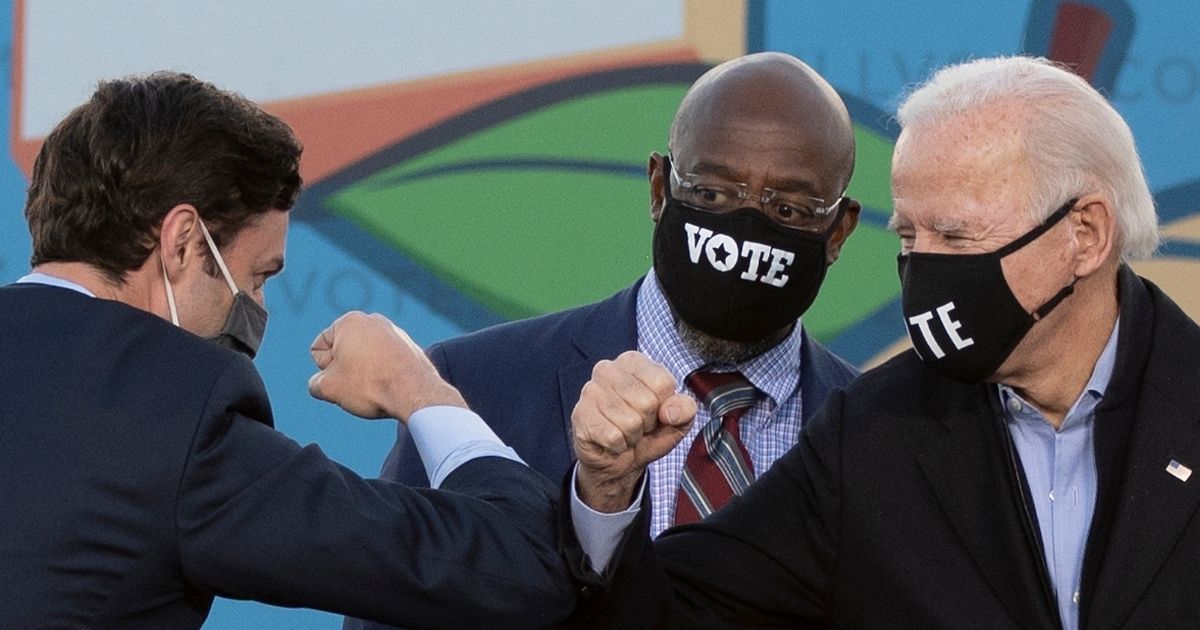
(140, 476)
(524, 378)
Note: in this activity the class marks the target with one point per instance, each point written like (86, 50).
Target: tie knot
(722, 392)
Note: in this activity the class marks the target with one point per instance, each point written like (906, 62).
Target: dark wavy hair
(110, 171)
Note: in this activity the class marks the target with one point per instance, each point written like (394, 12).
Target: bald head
(766, 133)
(770, 94)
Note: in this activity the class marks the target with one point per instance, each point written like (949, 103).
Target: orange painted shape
(340, 129)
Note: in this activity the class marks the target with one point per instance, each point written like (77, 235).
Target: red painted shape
(1079, 36)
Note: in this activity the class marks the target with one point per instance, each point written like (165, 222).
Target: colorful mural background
(469, 163)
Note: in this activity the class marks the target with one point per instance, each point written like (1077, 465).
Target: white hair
(1076, 141)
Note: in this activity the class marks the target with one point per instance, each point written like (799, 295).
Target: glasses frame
(765, 195)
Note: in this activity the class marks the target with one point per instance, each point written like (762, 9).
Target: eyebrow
(951, 226)
(896, 223)
(783, 185)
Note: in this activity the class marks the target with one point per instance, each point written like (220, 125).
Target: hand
(373, 369)
(627, 416)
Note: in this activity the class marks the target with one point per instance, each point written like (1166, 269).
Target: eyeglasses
(794, 210)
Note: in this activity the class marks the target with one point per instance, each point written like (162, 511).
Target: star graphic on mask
(730, 254)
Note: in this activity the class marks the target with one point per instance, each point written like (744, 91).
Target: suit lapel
(609, 330)
(968, 468)
(1156, 374)
(820, 372)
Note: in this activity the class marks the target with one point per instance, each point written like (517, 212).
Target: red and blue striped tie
(718, 466)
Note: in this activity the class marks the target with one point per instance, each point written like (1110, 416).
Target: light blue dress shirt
(38, 277)
(1060, 467)
(445, 437)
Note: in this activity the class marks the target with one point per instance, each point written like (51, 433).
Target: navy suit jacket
(524, 378)
(902, 507)
(140, 476)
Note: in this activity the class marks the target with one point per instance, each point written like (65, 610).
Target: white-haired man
(1027, 465)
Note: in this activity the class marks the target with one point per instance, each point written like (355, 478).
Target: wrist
(606, 493)
(437, 395)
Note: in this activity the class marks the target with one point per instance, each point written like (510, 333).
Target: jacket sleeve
(261, 518)
(768, 559)
(403, 462)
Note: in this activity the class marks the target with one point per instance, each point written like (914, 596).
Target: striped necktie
(717, 466)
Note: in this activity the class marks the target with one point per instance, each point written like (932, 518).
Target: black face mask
(246, 321)
(244, 326)
(962, 316)
(736, 275)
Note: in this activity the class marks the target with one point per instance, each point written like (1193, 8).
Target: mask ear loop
(217, 257)
(170, 292)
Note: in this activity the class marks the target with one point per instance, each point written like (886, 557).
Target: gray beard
(714, 350)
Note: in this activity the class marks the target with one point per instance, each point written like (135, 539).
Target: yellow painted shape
(715, 28)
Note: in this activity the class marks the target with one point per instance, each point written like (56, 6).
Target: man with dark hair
(141, 473)
(114, 167)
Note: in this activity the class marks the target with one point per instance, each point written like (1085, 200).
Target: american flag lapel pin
(1179, 471)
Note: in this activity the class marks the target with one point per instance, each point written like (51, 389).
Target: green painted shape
(862, 280)
(579, 236)
(872, 181)
(864, 277)
(529, 241)
(621, 125)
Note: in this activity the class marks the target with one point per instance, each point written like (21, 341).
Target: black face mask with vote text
(962, 316)
(737, 275)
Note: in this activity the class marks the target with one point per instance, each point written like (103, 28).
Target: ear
(1094, 227)
(657, 177)
(179, 238)
(850, 211)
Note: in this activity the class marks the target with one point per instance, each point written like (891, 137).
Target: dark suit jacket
(900, 508)
(140, 476)
(524, 378)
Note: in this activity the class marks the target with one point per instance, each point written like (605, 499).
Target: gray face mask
(246, 322)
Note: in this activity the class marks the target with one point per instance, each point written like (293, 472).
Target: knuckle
(611, 439)
(603, 369)
(588, 393)
(627, 420)
(611, 408)
(662, 383)
(643, 400)
(631, 358)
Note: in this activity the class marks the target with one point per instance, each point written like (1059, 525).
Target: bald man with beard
(749, 211)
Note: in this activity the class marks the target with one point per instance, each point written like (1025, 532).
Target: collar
(38, 277)
(1092, 393)
(775, 372)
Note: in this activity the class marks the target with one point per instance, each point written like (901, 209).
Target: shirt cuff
(447, 437)
(599, 533)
